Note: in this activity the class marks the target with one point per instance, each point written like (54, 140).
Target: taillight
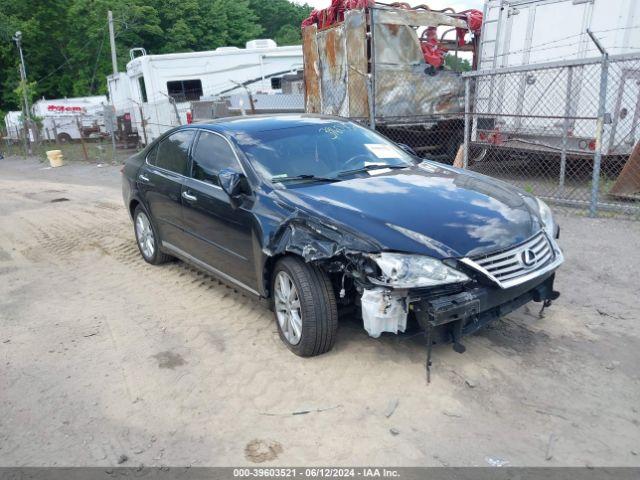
(592, 145)
(189, 117)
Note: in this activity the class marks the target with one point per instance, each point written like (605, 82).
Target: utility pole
(112, 41)
(26, 117)
(114, 62)
(603, 118)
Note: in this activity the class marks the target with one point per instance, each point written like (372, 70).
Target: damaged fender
(314, 240)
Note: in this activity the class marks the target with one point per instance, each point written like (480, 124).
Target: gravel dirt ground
(104, 357)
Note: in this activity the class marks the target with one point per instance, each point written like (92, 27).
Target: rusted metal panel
(417, 18)
(336, 66)
(406, 93)
(313, 98)
(397, 46)
(337, 61)
(355, 26)
(333, 71)
(405, 86)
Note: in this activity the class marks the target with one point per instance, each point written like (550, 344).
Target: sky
(457, 5)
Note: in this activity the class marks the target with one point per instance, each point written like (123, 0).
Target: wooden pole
(142, 124)
(84, 146)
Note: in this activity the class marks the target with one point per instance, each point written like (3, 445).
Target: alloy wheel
(287, 306)
(144, 235)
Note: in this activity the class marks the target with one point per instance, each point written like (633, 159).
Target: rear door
(220, 235)
(626, 114)
(160, 181)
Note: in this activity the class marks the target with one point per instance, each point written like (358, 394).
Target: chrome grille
(527, 257)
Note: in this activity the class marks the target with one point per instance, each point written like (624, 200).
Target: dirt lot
(103, 355)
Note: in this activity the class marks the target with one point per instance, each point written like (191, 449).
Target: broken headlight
(546, 217)
(411, 271)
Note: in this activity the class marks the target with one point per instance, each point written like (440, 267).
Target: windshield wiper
(375, 166)
(306, 176)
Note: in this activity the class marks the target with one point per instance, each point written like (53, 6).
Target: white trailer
(514, 87)
(526, 32)
(66, 119)
(13, 125)
(159, 88)
(119, 88)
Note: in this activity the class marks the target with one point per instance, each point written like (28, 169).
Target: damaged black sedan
(318, 214)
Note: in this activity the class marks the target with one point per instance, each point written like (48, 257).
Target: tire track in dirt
(97, 245)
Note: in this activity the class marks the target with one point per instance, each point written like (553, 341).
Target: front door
(160, 182)
(221, 235)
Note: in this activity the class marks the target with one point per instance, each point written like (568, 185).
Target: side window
(276, 83)
(151, 156)
(143, 89)
(185, 90)
(212, 154)
(173, 152)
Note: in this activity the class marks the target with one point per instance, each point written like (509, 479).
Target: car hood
(427, 209)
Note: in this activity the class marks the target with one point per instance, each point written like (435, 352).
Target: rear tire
(64, 138)
(147, 238)
(311, 295)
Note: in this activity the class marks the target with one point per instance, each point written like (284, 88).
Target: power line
(128, 24)
(95, 67)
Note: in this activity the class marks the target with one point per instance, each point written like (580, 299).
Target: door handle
(143, 177)
(187, 196)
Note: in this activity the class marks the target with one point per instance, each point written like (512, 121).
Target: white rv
(66, 119)
(520, 38)
(159, 88)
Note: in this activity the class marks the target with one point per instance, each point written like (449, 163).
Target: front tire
(305, 307)
(147, 238)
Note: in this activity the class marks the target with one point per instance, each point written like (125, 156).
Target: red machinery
(335, 13)
(433, 48)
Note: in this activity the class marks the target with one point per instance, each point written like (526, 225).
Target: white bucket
(55, 158)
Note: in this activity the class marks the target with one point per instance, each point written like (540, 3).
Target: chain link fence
(566, 132)
(79, 137)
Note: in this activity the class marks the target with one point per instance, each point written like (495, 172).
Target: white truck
(159, 88)
(515, 94)
(66, 119)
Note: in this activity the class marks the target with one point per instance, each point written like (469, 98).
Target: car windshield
(323, 151)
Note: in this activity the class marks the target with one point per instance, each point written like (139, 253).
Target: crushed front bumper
(448, 318)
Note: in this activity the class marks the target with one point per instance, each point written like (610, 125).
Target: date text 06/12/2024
(319, 472)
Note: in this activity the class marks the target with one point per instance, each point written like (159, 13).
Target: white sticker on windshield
(383, 151)
(379, 171)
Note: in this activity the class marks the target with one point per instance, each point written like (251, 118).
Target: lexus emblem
(528, 258)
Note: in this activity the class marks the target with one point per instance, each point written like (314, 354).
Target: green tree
(456, 64)
(281, 19)
(288, 35)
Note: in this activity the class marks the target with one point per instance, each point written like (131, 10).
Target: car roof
(261, 123)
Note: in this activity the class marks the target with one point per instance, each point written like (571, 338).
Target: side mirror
(233, 183)
(407, 149)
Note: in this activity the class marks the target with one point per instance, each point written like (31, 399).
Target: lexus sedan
(318, 215)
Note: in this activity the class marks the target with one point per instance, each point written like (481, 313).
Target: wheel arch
(269, 267)
(133, 204)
